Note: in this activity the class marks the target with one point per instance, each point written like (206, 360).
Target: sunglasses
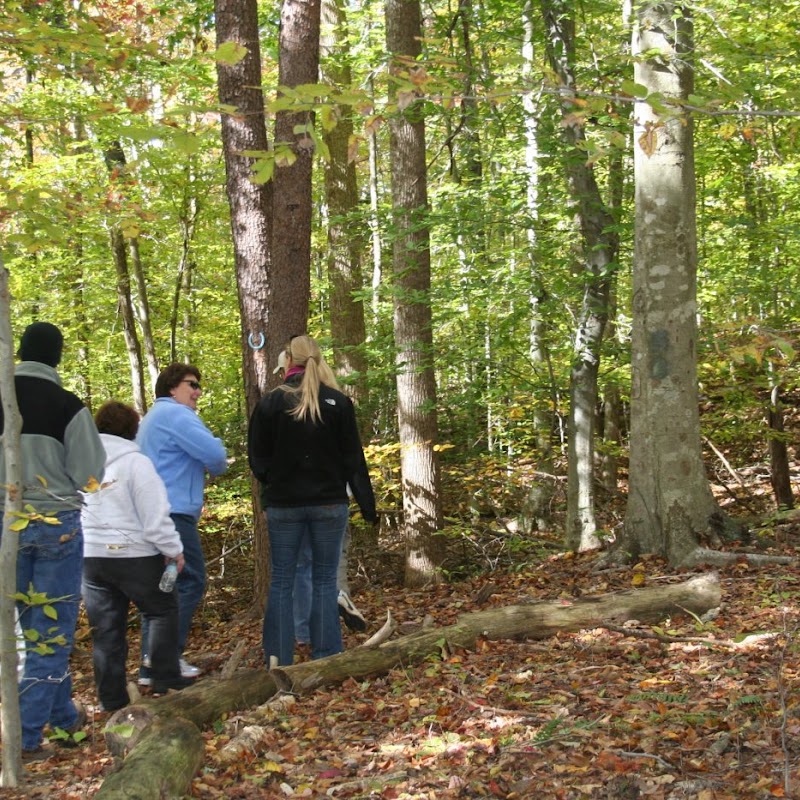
(194, 384)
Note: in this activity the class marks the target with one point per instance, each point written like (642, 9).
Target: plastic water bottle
(168, 579)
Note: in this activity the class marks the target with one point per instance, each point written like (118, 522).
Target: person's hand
(180, 561)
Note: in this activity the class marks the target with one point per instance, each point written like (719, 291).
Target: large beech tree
(670, 504)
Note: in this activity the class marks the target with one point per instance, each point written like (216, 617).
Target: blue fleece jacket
(182, 449)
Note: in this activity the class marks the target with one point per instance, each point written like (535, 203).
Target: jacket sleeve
(83, 450)
(199, 443)
(260, 442)
(356, 466)
(152, 507)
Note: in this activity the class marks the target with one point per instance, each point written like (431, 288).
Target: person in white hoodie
(129, 537)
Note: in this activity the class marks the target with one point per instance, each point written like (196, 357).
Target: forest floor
(599, 713)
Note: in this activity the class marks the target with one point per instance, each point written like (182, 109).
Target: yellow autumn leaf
(638, 579)
(272, 766)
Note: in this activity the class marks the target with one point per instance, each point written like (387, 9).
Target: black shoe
(39, 754)
(162, 687)
(352, 617)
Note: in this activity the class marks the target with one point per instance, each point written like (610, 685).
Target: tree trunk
(347, 233)
(142, 310)
(670, 504)
(251, 225)
(11, 430)
(411, 258)
(778, 455)
(599, 254)
(207, 701)
(119, 251)
(116, 163)
(537, 508)
(291, 248)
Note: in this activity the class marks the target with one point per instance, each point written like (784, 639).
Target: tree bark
(670, 504)
(536, 513)
(243, 130)
(411, 258)
(119, 251)
(298, 64)
(10, 429)
(141, 309)
(779, 473)
(116, 163)
(599, 253)
(347, 231)
(163, 763)
(209, 699)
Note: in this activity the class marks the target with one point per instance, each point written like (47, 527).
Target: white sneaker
(189, 670)
(144, 672)
(352, 617)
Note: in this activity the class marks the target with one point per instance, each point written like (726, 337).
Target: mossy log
(207, 701)
(167, 756)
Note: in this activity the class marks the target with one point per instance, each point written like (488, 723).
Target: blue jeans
(325, 527)
(51, 558)
(302, 585)
(191, 584)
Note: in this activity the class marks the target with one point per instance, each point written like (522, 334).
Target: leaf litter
(692, 709)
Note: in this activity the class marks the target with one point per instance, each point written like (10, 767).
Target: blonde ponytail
(305, 352)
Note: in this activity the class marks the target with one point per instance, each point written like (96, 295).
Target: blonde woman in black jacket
(304, 448)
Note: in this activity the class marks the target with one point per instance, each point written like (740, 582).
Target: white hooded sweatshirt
(129, 516)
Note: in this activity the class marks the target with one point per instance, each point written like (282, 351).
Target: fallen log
(200, 705)
(167, 756)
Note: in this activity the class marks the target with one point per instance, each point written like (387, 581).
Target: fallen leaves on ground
(599, 713)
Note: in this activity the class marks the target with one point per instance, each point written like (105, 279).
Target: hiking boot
(352, 617)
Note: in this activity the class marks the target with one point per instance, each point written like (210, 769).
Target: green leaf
(125, 731)
(634, 89)
(186, 143)
(50, 612)
(230, 53)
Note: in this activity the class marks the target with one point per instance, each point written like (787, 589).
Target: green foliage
(144, 78)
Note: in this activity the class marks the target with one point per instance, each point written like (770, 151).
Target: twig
(635, 754)
(232, 664)
(493, 709)
(637, 633)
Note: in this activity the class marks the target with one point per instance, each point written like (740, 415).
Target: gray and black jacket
(61, 448)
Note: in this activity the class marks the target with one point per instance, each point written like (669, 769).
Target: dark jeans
(109, 586)
(287, 527)
(191, 584)
(49, 558)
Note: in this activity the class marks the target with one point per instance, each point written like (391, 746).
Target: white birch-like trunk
(12, 429)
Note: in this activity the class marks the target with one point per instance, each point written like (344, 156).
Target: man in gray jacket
(61, 454)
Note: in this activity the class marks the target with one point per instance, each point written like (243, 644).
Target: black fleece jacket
(302, 463)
